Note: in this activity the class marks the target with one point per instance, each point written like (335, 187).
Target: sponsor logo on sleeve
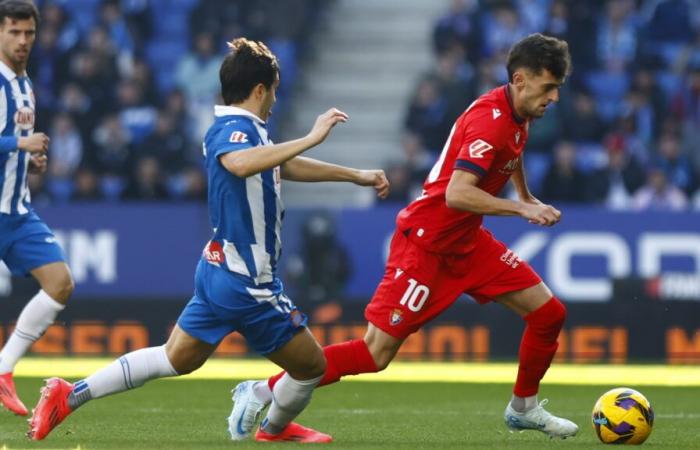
(238, 137)
(478, 148)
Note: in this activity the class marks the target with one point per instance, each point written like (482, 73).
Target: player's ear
(519, 78)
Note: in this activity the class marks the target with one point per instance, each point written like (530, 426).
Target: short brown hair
(537, 52)
(247, 64)
(18, 10)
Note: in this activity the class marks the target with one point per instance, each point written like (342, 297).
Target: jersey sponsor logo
(238, 137)
(396, 317)
(24, 118)
(214, 252)
(478, 148)
(496, 113)
(510, 166)
(511, 259)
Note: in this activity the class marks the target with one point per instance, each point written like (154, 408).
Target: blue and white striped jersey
(245, 213)
(16, 119)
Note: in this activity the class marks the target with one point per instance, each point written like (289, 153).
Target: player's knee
(553, 315)
(309, 367)
(187, 364)
(61, 288)
(559, 312)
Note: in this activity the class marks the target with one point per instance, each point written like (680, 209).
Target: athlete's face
(535, 92)
(269, 99)
(16, 41)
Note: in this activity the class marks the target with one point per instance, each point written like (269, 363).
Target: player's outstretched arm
(306, 169)
(245, 163)
(463, 194)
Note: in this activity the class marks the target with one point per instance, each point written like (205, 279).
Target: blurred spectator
(428, 115)
(321, 270)
(137, 116)
(564, 182)
(614, 184)
(197, 75)
(86, 186)
(66, 147)
(459, 26)
(115, 23)
(194, 184)
(617, 38)
(582, 123)
(658, 194)
(676, 166)
(502, 29)
(146, 182)
(166, 143)
(111, 141)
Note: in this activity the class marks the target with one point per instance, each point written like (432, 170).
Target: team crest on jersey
(478, 148)
(24, 118)
(496, 113)
(238, 137)
(396, 317)
(511, 259)
(517, 138)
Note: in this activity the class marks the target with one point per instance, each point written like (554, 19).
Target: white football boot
(246, 411)
(539, 419)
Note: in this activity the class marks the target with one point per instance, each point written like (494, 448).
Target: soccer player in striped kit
(236, 283)
(27, 245)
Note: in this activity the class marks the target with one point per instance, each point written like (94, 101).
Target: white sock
(128, 372)
(289, 398)
(523, 404)
(35, 318)
(262, 391)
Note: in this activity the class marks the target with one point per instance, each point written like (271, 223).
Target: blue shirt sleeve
(235, 137)
(8, 144)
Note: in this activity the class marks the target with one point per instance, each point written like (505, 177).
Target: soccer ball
(622, 416)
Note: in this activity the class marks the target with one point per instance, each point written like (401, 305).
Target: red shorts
(419, 285)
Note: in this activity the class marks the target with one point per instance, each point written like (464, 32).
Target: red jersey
(487, 140)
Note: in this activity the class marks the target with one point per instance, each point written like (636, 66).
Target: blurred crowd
(125, 89)
(626, 133)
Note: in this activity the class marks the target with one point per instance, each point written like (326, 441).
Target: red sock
(346, 358)
(538, 346)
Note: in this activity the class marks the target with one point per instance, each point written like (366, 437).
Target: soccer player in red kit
(441, 250)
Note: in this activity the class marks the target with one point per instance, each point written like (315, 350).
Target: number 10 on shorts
(415, 296)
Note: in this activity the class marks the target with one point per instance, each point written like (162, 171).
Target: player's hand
(541, 214)
(36, 143)
(375, 178)
(38, 163)
(324, 123)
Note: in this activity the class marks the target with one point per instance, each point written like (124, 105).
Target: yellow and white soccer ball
(623, 416)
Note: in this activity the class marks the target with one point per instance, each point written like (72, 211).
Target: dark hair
(247, 64)
(18, 10)
(537, 52)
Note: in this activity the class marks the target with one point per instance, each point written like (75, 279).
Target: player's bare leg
(371, 354)
(39, 313)
(182, 354)
(544, 315)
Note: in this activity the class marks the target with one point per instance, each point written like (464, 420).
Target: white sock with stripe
(289, 398)
(128, 372)
(35, 318)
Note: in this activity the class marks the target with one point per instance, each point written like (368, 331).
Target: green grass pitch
(190, 414)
